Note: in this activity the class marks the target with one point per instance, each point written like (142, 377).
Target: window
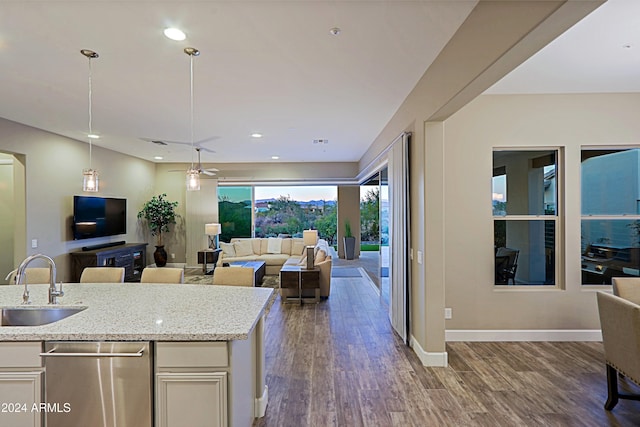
(610, 225)
(234, 211)
(525, 217)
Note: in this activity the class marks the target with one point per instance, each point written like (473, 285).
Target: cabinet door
(191, 399)
(20, 397)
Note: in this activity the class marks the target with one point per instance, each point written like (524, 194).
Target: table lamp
(212, 230)
(310, 239)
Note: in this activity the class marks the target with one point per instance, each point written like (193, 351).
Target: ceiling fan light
(193, 180)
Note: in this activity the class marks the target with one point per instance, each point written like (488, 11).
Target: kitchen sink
(36, 316)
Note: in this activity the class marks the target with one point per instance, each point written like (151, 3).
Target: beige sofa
(290, 251)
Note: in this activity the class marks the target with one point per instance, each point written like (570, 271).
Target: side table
(299, 278)
(208, 256)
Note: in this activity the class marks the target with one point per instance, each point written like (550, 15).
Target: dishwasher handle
(52, 353)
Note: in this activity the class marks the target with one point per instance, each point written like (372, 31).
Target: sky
(304, 194)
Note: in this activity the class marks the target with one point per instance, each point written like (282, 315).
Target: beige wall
(348, 210)
(53, 174)
(7, 216)
(536, 121)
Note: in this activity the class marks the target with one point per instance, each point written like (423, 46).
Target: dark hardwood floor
(338, 363)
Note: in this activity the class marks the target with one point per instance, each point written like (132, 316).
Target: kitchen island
(203, 341)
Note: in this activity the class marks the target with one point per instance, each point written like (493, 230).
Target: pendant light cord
(191, 97)
(90, 116)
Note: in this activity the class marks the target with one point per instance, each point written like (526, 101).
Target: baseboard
(261, 403)
(428, 358)
(524, 335)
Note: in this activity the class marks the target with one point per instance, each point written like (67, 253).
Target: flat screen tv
(98, 217)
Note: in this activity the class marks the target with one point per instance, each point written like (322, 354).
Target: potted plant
(159, 214)
(349, 241)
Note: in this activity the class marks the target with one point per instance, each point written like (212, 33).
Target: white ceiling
(265, 66)
(601, 53)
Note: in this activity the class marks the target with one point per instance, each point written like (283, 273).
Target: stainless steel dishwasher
(98, 384)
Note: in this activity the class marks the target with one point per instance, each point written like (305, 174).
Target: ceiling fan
(198, 166)
(197, 144)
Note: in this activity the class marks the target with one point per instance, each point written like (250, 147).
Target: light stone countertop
(142, 312)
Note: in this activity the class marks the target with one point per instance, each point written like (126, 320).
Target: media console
(131, 256)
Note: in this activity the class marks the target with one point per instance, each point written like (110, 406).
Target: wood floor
(338, 363)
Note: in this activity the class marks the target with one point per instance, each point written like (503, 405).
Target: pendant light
(193, 174)
(90, 175)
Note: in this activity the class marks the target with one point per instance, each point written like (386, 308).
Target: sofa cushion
(243, 247)
(228, 249)
(297, 247)
(286, 246)
(274, 259)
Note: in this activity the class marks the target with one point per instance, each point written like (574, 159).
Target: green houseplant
(349, 241)
(159, 213)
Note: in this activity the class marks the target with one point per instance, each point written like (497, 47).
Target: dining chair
(234, 276)
(162, 275)
(32, 276)
(102, 275)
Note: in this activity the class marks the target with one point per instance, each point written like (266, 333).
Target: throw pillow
(228, 249)
(274, 245)
(243, 247)
(320, 256)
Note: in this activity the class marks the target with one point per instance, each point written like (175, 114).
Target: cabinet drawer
(20, 354)
(191, 354)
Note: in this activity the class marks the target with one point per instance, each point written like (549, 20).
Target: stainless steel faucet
(53, 291)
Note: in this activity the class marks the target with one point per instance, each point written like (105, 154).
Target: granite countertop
(142, 312)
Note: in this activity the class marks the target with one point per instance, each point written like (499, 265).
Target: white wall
(536, 121)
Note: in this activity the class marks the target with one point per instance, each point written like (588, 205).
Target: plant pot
(160, 256)
(349, 247)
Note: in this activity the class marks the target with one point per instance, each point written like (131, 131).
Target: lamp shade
(310, 237)
(212, 229)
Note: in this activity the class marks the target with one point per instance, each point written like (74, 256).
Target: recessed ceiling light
(335, 31)
(256, 135)
(93, 136)
(158, 157)
(175, 34)
(275, 157)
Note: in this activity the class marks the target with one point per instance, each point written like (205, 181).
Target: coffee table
(259, 268)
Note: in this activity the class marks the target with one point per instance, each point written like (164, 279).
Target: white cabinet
(21, 380)
(191, 384)
(193, 399)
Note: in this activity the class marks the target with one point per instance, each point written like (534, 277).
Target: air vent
(157, 142)
(320, 141)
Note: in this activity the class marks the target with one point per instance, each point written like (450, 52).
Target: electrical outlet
(448, 313)
(173, 256)
(34, 243)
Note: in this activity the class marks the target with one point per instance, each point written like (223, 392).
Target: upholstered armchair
(627, 288)
(620, 322)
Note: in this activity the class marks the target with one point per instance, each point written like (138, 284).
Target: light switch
(34, 243)
(419, 257)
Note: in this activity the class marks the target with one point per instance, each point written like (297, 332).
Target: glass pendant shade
(193, 180)
(90, 180)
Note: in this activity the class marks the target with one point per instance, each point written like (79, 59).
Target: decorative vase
(160, 256)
